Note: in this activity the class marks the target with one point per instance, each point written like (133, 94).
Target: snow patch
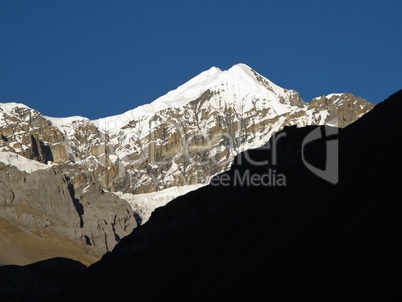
(145, 204)
(8, 107)
(334, 94)
(86, 189)
(328, 96)
(21, 163)
(59, 122)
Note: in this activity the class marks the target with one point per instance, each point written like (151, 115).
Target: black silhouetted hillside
(37, 280)
(308, 241)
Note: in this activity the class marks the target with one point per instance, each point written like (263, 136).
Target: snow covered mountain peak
(181, 138)
(237, 85)
(241, 70)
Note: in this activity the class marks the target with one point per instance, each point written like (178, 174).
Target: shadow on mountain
(35, 281)
(304, 239)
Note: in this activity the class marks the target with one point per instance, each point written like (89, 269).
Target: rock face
(26, 132)
(345, 108)
(105, 218)
(45, 201)
(23, 190)
(183, 138)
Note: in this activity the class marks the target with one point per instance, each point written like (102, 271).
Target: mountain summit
(234, 85)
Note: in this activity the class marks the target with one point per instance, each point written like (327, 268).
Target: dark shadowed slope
(308, 241)
(34, 281)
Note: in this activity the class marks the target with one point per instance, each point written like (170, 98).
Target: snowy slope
(62, 122)
(21, 163)
(8, 107)
(6, 110)
(144, 204)
(236, 84)
(175, 98)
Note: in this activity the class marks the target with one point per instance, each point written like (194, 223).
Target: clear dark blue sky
(97, 58)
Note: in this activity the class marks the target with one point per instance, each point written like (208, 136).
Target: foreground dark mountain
(37, 280)
(307, 241)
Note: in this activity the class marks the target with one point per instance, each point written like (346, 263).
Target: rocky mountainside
(43, 215)
(180, 140)
(307, 241)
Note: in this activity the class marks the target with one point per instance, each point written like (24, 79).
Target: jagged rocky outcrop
(26, 132)
(45, 202)
(344, 108)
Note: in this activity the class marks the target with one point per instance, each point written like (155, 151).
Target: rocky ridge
(183, 138)
(45, 203)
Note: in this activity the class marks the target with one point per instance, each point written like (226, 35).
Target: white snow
(8, 107)
(190, 90)
(175, 98)
(328, 96)
(237, 86)
(59, 122)
(145, 204)
(85, 190)
(334, 94)
(21, 163)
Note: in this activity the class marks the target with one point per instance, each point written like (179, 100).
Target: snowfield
(21, 163)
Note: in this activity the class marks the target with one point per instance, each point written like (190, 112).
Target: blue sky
(97, 58)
